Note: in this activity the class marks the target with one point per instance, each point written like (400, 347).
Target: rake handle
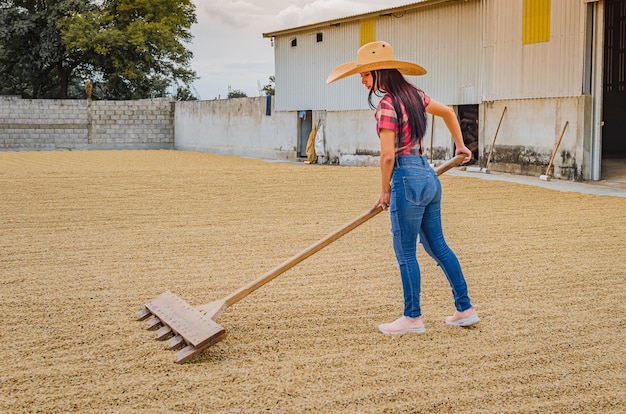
(493, 144)
(556, 148)
(314, 248)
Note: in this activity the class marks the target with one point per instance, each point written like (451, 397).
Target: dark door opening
(468, 119)
(614, 80)
(305, 126)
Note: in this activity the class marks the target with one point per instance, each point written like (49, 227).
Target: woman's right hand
(464, 150)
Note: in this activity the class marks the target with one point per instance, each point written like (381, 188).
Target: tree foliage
(184, 93)
(269, 89)
(127, 49)
(31, 49)
(236, 93)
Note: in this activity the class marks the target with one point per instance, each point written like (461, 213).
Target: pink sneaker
(465, 318)
(402, 325)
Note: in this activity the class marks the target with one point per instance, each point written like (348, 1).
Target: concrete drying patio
(86, 238)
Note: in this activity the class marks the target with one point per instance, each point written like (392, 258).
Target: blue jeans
(415, 209)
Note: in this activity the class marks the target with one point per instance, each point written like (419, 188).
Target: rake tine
(163, 333)
(187, 353)
(143, 314)
(190, 352)
(175, 342)
(153, 323)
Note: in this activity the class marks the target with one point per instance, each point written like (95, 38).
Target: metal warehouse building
(548, 62)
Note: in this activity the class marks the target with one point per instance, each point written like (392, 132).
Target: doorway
(614, 88)
(305, 126)
(468, 119)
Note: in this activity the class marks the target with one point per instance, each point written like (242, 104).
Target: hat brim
(352, 68)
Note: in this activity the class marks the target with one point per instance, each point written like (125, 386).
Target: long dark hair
(392, 82)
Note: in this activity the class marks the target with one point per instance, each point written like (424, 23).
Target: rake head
(182, 325)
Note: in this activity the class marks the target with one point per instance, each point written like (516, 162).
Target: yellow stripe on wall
(368, 30)
(536, 21)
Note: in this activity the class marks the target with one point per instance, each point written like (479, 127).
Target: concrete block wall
(145, 123)
(49, 124)
(39, 124)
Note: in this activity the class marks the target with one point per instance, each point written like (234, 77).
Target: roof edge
(339, 21)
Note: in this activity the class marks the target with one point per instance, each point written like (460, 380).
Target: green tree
(269, 89)
(128, 49)
(236, 93)
(184, 93)
(32, 61)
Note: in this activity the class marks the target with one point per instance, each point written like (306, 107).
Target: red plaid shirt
(386, 118)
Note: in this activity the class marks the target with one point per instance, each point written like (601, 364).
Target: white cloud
(235, 14)
(307, 12)
(228, 44)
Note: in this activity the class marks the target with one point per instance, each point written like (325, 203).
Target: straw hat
(374, 56)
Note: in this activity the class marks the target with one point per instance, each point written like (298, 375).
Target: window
(368, 30)
(536, 21)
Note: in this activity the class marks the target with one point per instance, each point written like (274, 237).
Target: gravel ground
(88, 237)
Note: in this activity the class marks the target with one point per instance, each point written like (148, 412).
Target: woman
(410, 187)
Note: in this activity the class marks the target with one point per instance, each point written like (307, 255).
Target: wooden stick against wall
(432, 134)
(547, 176)
(493, 144)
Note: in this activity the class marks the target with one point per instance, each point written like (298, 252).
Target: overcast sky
(228, 44)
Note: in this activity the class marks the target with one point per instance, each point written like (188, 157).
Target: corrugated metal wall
(535, 70)
(446, 40)
(473, 51)
(301, 70)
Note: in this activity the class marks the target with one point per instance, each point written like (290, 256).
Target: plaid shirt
(386, 118)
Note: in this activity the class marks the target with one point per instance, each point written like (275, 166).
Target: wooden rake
(194, 329)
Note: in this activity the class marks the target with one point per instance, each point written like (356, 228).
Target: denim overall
(415, 209)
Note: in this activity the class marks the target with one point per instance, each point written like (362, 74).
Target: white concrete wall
(350, 133)
(525, 142)
(529, 133)
(235, 127)
(351, 138)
